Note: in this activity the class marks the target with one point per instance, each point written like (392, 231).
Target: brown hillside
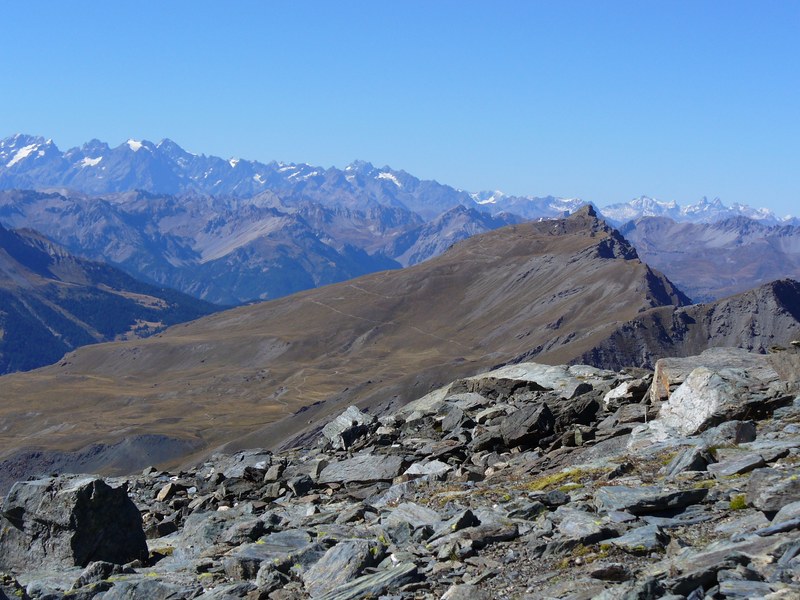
(559, 287)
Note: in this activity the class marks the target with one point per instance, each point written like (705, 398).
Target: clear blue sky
(600, 100)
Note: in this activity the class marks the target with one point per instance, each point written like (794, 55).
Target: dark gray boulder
(364, 467)
(527, 425)
(69, 520)
(772, 489)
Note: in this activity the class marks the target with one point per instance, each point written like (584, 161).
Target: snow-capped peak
(134, 145)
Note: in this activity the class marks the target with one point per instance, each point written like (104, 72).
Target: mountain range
(709, 261)
(233, 231)
(560, 291)
(52, 302)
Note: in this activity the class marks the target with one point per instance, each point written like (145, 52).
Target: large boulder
(672, 372)
(708, 397)
(347, 427)
(69, 520)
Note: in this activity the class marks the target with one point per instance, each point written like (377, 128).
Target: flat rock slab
(544, 377)
(413, 514)
(736, 463)
(581, 525)
(642, 540)
(342, 563)
(363, 468)
(433, 467)
(772, 489)
(645, 499)
(149, 589)
(347, 427)
(374, 584)
(465, 591)
(527, 425)
(293, 545)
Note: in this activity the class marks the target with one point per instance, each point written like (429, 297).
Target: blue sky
(600, 100)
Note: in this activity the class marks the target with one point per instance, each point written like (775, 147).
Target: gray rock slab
(692, 515)
(705, 398)
(290, 545)
(434, 468)
(688, 459)
(788, 512)
(363, 468)
(744, 524)
(469, 401)
(69, 520)
(771, 489)
(342, 563)
(736, 463)
(465, 591)
(581, 525)
(671, 372)
(146, 588)
(645, 499)
(415, 515)
(642, 540)
(730, 432)
(527, 425)
(547, 377)
(742, 588)
(464, 519)
(374, 584)
(234, 465)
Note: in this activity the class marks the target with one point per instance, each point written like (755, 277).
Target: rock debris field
(529, 481)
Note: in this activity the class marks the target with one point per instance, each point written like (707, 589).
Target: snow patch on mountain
(391, 178)
(91, 162)
(22, 153)
(703, 211)
(134, 145)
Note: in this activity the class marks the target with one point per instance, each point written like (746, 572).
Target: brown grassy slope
(561, 286)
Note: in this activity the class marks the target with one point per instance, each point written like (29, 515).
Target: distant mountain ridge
(31, 162)
(714, 260)
(703, 211)
(233, 231)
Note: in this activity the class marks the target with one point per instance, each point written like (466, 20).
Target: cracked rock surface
(527, 482)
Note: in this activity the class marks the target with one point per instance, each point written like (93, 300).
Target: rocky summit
(528, 481)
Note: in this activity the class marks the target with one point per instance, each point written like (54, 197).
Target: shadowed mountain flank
(52, 302)
(559, 286)
(758, 320)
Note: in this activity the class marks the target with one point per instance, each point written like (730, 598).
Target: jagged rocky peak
(531, 480)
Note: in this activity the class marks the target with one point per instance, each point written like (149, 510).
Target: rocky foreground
(529, 481)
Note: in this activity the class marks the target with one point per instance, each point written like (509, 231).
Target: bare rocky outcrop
(761, 320)
(433, 501)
